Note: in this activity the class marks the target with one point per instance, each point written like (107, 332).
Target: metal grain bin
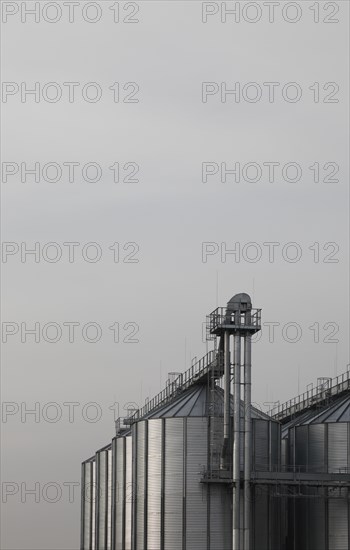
(122, 493)
(152, 481)
(88, 505)
(103, 498)
(173, 446)
(319, 443)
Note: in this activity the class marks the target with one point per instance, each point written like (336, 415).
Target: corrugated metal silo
(174, 509)
(319, 442)
(103, 498)
(122, 493)
(88, 505)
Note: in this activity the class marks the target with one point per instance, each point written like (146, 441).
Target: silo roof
(195, 402)
(336, 411)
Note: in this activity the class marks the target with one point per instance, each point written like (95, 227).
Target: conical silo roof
(196, 401)
(336, 411)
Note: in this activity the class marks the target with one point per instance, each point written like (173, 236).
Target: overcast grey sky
(174, 229)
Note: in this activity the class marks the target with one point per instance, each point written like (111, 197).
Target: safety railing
(183, 381)
(221, 318)
(315, 395)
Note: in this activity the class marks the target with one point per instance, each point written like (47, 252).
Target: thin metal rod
(227, 387)
(247, 438)
(236, 542)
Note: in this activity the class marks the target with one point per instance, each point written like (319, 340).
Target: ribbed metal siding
(87, 517)
(93, 508)
(119, 493)
(154, 484)
(300, 522)
(291, 446)
(316, 451)
(109, 500)
(301, 447)
(129, 493)
(261, 518)
(337, 447)
(316, 528)
(196, 492)
(284, 453)
(338, 512)
(101, 508)
(261, 445)
(275, 444)
(140, 432)
(220, 517)
(173, 483)
(275, 505)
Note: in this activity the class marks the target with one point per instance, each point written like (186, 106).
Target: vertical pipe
(227, 386)
(247, 438)
(82, 512)
(236, 443)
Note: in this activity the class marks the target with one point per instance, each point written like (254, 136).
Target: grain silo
(199, 468)
(318, 444)
(88, 504)
(175, 477)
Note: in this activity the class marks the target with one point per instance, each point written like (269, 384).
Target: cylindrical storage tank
(266, 445)
(129, 493)
(104, 498)
(122, 493)
(284, 454)
(140, 440)
(319, 443)
(88, 493)
(174, 509)
(154, 484)
(171, 502)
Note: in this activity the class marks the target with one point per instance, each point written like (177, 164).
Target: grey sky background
(169, 133)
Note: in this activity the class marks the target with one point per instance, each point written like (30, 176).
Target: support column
(236, 543)
(247, 439)
(227, 387)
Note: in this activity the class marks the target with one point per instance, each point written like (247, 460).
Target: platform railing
(182, 382)
(313, 396)
(221, 317)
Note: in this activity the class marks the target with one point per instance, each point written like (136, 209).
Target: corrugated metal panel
(93, 508)
(337, 447)
(173, 484)
(109, 500)
(338, 512)
(119, 493)
(220, 517)
(261, 445)
(114, 491)
(301, 447)
(316, 454)
(301, 523)
(261, 518)
(140, 484)
(154, 484)
(275, 434)
(129, 493)
(275, 505)
(102, 476)
(317, 520)
(87, 517)
(196, 492)
(291, 446)
(285, 454)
